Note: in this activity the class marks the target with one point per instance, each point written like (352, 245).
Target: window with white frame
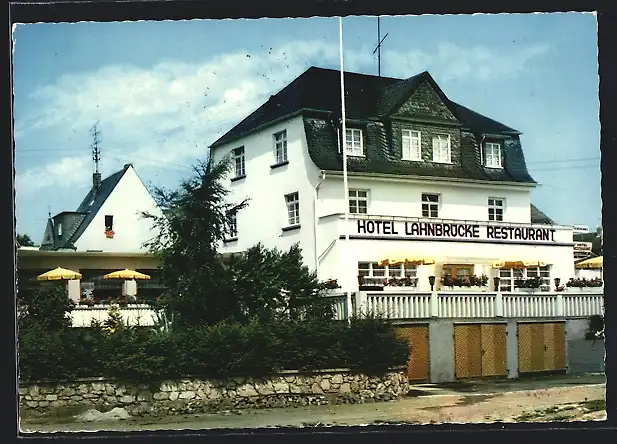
(354, 143)
(232, 225)
(441, 148)
(412, 145)
(508, 277)
(430, 205)
(371, 273)
(492, 154)
(280, 146)
(495, 208)
(239, 161)
(358, 201)
(293, 208)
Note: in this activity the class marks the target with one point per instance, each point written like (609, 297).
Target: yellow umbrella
(517, 264)
(594, 262)
(126, 274)
(58, 274)
(403, 259)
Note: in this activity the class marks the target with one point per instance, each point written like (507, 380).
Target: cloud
(453, 62)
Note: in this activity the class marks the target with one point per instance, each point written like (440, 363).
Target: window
(232, 225)
(508, 277)
(495, 208)
(59, 230)
(412, 145)
(460, 271)
(441, 149)
(109, 223)
(238, 154)
(293, 208)
(430, 205)
(492, 154)
(354, 144)
(370, 273)
(280, 146)
(358, 201)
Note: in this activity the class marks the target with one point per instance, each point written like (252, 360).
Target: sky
(163, 91)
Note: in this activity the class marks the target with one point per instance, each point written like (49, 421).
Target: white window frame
(239, 161)
(280, 146)
(509, 276)
(429, 204)
(409, 139)
(494, 159)
(493, 208)
(371, 273)
(292, 202)
(232, 225)
(439, 148)
(354, 142)
(356, 197)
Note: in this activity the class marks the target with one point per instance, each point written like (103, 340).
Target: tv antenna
(378, 48)
(96, 152)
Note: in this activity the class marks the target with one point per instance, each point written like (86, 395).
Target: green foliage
(46, 308)
(24, 240)
(256, 349)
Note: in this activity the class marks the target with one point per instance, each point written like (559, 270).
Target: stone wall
(194, 395)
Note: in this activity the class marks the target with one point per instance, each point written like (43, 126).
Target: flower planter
(527, 290)
(595, 290)
(464, 289)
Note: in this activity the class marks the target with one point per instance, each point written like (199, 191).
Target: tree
(46, 308)
(24, 240)
(196, 219)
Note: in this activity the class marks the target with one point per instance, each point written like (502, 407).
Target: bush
(256, 349)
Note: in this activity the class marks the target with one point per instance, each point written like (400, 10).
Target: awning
(517, 264)
(59, 274)
(402, 259)
(126, 274)
(593, 263)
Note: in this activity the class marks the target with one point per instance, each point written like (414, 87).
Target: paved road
(478, 401)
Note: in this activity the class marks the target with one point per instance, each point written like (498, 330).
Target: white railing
(465, 305)
(397, 306)
(132, 314)
(339, 304)
(420, 305)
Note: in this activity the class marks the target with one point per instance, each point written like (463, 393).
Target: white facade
(395, 200)
(127, 201)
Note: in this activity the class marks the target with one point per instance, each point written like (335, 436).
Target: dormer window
(354, 145)
(441, 148)
(492, 155)
(59, 228)
(411, 145)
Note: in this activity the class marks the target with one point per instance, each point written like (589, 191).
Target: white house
(434, 187)
(108, 219)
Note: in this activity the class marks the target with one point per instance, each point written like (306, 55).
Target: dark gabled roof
(366, 96)
(77, 221)
(538, 217)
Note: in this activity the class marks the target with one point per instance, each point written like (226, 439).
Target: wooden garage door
(480, 350)
(418, 364)
(541, 347)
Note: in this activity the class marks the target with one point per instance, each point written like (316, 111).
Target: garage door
(480, 350)
(418, 364)
(541, 347)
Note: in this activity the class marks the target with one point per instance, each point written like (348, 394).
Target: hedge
(257, 349)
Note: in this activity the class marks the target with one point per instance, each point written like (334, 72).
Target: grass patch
(597, 405)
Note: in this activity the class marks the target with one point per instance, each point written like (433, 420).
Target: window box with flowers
(109, 234)
(584, 285)
(530, 285)
(471, 283)
(402, 284)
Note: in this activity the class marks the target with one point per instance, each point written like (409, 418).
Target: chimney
(96, 181)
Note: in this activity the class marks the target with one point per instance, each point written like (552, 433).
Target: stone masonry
(194, 395)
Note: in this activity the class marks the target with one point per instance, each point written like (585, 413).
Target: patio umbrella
(58, 274)
(594, 263)
(126, 274)
(401, 258)
(517, 264)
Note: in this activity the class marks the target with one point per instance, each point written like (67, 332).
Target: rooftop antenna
(96, 155)
(378, 48)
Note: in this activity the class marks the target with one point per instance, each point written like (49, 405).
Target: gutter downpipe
(316, 221)
(481, 150)
(346, 186)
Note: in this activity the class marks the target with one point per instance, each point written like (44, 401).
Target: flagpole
(345, 184)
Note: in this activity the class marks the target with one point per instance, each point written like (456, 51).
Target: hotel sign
(454, 231)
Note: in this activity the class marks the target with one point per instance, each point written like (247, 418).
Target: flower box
(595, 290)
(466, 289)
